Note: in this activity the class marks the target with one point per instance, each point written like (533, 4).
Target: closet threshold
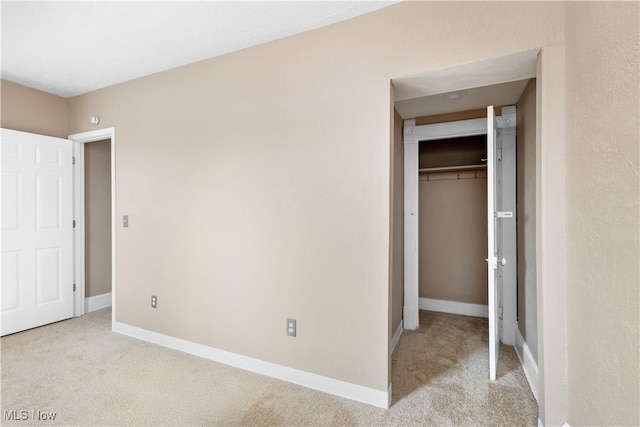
(453, 168)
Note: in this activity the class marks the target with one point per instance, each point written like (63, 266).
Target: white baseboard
(396, 336)
(97, 302)
(344, 389)
(454, 307)
(529, 364)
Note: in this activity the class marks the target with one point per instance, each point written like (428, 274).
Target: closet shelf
(453, 168)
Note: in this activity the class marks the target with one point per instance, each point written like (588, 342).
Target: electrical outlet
(291, 327)
(154, 301)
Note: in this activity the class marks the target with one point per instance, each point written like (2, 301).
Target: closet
(459, 199)
(452, 212)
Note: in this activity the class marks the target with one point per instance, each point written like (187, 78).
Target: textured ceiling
(70, 48)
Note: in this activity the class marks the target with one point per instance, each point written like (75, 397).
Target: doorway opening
(465, 173)
(94, 212)
(452, 240)
(97, 224)
(440, 98)
(452, 151)
(541, 334)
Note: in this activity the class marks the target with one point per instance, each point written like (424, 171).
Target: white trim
(307, 379)
(78, 178)
(97, 302)
(454, 307)
(451, 129)
(78, 231)
(93, 136)
(529, 364)
(396, 336)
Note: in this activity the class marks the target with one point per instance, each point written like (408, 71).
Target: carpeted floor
(90, 376)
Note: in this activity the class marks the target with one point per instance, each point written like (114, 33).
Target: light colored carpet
(90, 376)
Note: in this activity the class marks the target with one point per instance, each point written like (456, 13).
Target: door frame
(413, 135)
(549, 64)
(79, 139)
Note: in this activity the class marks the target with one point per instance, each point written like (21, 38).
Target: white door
(492, 239)
(411, 316)
(37, 230)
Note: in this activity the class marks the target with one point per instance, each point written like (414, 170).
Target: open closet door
(37, 230)
(492, 252)
(411, 315)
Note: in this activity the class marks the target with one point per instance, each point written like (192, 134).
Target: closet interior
(453, 220)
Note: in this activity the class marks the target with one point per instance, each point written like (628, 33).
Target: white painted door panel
(492, 239)
(411, 317)
(506, 223)
(37, 230)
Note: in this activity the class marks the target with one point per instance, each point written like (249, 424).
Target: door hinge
(73, 160)
(74, 223)
(74, 287)
(499, 154)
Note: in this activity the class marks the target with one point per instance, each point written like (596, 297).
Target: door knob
(503, 261)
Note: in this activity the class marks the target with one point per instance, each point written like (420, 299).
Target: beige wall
(30, 110)
(550, 234)
(257, 183)
(453, 236)
(526, 216)
(603, 213)
(97, 197)
(397, 244)
(192, 121)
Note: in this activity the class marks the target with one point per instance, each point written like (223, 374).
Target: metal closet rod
(427, 177)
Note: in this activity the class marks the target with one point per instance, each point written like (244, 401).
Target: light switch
(125, 220)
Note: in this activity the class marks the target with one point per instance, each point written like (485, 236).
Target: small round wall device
(95, 120)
